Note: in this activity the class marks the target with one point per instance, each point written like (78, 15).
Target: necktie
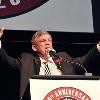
(47, 70)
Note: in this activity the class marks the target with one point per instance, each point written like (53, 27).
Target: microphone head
(48, 49)
(53, 53)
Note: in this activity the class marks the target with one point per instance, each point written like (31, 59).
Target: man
(34, 64)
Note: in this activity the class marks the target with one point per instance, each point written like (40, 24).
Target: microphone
(53, 53)
(59, 61)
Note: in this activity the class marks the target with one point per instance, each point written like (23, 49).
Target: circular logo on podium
(66, 93)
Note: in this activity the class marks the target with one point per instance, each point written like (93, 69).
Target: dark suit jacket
(29, 65)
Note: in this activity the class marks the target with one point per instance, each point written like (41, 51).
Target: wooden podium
(67, 87)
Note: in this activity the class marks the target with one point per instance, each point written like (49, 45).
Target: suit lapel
(36, 65)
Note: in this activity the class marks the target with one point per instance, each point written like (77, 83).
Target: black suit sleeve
(6, 59)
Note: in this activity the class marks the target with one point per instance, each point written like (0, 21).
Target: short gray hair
(38, 34)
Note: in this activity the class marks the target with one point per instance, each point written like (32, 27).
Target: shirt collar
(50, 60)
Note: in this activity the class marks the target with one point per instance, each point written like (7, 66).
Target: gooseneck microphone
(54, 55)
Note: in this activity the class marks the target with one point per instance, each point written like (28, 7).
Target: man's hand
(1, 31)
(99, 43)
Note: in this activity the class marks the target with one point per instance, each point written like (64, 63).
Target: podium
(66, 87)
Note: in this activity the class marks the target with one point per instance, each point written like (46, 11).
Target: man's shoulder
(26, 54)
(63, 53)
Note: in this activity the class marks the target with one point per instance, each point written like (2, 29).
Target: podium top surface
(65, 77)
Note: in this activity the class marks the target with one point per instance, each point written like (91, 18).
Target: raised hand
(99, 43)
(1, 31)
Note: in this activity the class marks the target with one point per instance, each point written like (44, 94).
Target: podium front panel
(65, 88)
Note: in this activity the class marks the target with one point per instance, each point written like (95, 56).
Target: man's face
(42, 43)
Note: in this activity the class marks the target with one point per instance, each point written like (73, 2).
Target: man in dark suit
(34, 64)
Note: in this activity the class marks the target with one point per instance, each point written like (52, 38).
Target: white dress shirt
(52, 66)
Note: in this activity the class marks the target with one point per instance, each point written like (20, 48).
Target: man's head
(41, 40)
